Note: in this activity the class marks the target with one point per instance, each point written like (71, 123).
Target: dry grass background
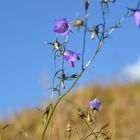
(121, 107)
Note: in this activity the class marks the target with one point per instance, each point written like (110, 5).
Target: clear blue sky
(25, 60)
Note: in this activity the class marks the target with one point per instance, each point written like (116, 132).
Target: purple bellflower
(137, 17)
(71, 57)
(95, 104)
(62, 26)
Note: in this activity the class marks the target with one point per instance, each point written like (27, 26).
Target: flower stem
(59, 99)
(87, 124)
(84, 40)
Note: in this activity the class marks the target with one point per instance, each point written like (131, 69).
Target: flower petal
(62, 26)
(95, 104)
(71, 63)
(72, 56)
(67, 31)
(137, 17)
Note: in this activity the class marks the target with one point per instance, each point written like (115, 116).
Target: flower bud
(86, 4)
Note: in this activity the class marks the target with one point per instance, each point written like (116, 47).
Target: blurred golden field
(120, 107)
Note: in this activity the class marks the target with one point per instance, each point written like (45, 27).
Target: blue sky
(26, 61)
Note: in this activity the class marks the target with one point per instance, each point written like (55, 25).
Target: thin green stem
(113, 28)
(95, 54)
(53, 79)
(84, 40)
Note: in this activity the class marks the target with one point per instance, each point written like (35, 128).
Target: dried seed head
(47, 110)
(94, 31)
(68, 127)
(63, 78)
(56, 45)
(62, 83)
(81, 113)
(78, 22)
(74, 76)
(89, 118)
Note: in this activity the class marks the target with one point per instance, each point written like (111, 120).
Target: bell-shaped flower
(71, 57)
(137, 17)
(62, 26)
(95, 104)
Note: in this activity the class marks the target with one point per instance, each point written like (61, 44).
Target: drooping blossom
(137, 17)
(62, 26)
(95, 104)
(71, 57)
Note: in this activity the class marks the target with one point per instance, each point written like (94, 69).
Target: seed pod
(89, 118)
(47, 110)
(94, 31)
(68, 129)
(62, 83)
(63, 78)
(5, 126)
(86, 4)
(81, 113)
(78, 22)
(74, 76)
(56, 45)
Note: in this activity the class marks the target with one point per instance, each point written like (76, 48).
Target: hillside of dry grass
(120, 107)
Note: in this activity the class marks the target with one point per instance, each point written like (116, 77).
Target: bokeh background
(26, 66)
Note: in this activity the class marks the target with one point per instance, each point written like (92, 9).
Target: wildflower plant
(89, 121)
(69, 58)
(92, 129)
